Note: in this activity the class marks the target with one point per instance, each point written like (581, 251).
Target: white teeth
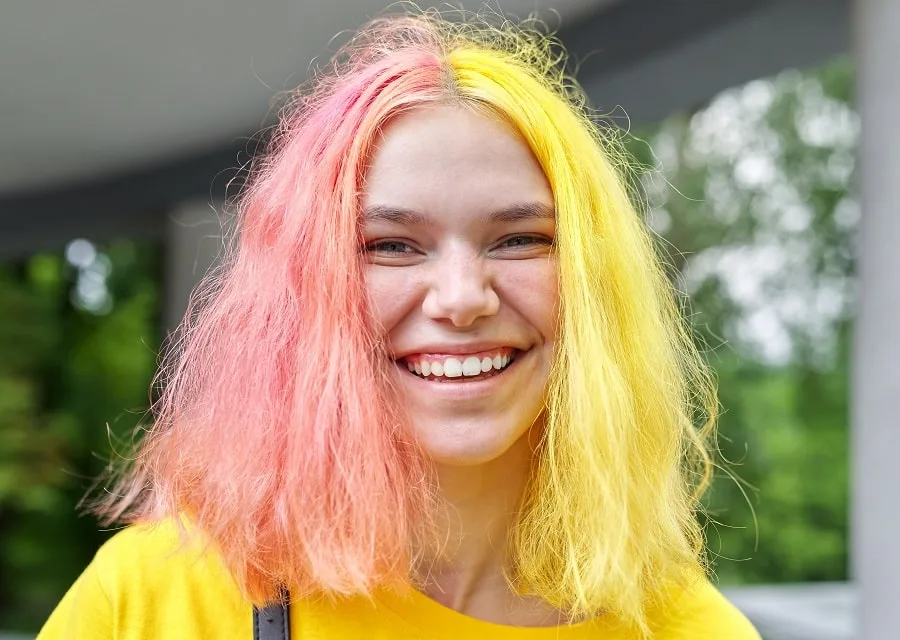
(452, 368)
(471, 366)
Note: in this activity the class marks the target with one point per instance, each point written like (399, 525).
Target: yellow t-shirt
(140, 586)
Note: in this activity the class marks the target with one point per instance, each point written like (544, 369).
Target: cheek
(532, 288)
(392, 294)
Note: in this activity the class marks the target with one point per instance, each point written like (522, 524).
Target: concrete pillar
(193, 246)
(876, 375)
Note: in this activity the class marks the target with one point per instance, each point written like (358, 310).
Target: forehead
(450, 160)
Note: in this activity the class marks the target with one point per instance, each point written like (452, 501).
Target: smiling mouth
(459, 370)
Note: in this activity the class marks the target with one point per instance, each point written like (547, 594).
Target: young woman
(439, 389)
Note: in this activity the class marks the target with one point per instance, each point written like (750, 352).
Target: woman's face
(458, 222)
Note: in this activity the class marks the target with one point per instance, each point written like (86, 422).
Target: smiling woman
(440, 387)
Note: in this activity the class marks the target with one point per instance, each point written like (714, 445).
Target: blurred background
(122, 127)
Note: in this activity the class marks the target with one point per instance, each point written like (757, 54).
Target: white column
(193, 246)
(876, 377)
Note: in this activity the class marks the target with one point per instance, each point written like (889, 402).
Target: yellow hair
(609, 521)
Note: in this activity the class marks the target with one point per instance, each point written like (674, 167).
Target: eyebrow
(410, 217)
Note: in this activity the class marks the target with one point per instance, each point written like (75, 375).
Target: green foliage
(66, 373)
(750, 197)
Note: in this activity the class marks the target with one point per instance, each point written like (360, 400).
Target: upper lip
(454, 349)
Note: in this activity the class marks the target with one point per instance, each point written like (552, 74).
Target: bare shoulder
(703, 613)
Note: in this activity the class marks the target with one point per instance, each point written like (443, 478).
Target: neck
(482, 506)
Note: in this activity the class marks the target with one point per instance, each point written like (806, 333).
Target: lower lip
(460, 388)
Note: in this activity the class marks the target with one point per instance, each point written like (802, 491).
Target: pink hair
(276, 434)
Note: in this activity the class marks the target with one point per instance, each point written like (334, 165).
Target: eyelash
(378, 245)
(532, 240)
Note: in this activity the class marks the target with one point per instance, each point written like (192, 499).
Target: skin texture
(441, 273)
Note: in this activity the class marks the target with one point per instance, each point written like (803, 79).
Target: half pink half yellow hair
(277, 434)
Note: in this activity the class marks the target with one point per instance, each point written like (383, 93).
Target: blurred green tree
(78, 344)
(752, 199)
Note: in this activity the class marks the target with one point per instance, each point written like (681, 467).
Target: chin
(466, 446)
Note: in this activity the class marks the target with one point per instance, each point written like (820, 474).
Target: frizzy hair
(276, 433)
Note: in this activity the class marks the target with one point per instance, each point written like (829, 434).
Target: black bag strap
(274, 621)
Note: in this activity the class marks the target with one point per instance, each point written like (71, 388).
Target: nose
(460, 289)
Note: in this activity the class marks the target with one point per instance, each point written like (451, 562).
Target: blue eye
(388, 246)
(520, 241)
(515, 242)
